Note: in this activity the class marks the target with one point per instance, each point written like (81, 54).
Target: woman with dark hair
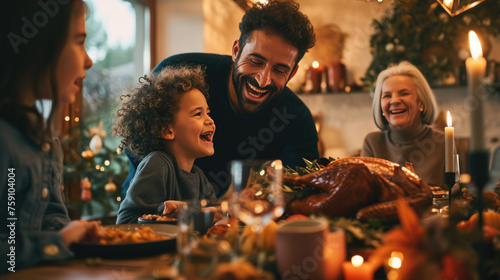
(43, 58)
(404, 107)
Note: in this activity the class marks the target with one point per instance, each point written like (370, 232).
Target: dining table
(149, 267)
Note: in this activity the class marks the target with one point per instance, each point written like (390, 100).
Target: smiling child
(166, 122)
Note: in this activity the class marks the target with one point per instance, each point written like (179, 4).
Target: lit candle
(314, 76)
(335, 253)
(448, 144)
(476, 67)
(394, 262)
(357, 269)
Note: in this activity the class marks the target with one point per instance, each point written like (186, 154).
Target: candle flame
(357, 260)
(395, 262)
(448, 119)
(448, 3)
(315, 64)
(475, 45)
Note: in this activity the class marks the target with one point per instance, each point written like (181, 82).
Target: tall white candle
(448, 145)
(476, 67)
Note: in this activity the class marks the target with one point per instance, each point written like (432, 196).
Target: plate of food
(156, 219)
(438, 192)
(129, 240)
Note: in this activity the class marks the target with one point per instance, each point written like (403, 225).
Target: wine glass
(456, 168)
(257, 196)
(199, 254)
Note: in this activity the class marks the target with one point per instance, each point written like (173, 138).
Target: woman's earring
(421, 108)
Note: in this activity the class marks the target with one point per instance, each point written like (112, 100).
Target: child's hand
(218, 212)
(172, 206)
(78, 230)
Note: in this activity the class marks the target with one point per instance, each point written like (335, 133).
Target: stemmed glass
(456, 168)
(257, 196)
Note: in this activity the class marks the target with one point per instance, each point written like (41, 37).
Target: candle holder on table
(480, 176)
(449, 179)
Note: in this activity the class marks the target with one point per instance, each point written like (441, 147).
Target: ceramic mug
(300, 249)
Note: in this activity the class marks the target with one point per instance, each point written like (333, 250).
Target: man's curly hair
(144, 113)
(282, 18)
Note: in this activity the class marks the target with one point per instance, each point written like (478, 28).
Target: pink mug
(300, 249)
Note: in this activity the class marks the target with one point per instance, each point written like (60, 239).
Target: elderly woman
(403, 108)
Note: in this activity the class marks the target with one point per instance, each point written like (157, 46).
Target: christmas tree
(94, 171)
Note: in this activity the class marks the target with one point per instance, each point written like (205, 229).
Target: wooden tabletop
(154, 267)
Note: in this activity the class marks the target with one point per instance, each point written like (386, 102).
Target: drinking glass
(257, 196)
(199, 254)
(456, 168)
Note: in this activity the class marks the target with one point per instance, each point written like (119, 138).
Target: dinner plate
(130, 250)
(145, 221)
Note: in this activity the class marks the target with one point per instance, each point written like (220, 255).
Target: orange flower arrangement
(430, 252)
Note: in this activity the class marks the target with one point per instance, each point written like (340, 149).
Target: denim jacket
(31, 200)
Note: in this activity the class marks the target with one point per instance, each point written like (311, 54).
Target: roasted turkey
(360, 187)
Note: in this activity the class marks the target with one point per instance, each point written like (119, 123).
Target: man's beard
(245, 105)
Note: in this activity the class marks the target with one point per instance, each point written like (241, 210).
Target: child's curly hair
(148, 109)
